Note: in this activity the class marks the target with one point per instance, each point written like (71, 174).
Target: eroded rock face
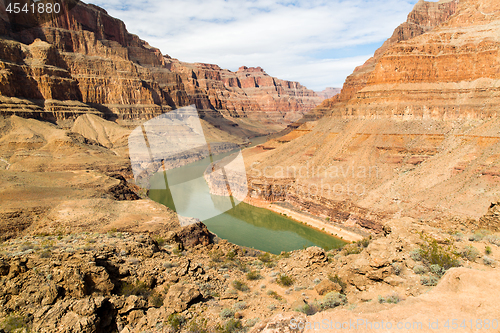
(85, 61)
(424, 17)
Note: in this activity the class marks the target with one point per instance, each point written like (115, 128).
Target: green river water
(244, 224)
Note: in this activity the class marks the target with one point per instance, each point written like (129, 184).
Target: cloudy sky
(315, 42)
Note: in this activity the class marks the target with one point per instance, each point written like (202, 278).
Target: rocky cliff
(418, 137)
(424, 17)
(85, 61)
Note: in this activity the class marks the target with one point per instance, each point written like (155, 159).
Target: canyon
(407, 155)
(414, 131)
(86, 62)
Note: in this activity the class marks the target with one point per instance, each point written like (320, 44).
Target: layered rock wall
(87, 56)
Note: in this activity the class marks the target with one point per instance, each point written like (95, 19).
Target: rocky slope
(419, 139)
(85, 61)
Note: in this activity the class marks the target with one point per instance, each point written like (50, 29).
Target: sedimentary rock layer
(419, 137)
(88, 57)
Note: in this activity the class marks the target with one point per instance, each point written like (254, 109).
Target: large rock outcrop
(419, 136)
(424, 17)
(85, 61)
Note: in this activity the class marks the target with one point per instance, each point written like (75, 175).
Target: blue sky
(315, 42)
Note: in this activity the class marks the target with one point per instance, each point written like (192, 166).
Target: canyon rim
(405, 157)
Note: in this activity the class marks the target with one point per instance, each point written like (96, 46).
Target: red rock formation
(417, 137)
(424, 17)
(87, 56)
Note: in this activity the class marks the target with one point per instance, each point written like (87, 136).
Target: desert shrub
(479, 235)
(307, 309)
(336, 279)
(231, 254)
(274, 295)
(272, 307)
(169, 264)
(226, 313)
(240, 306)
(487, 249)
(437, 270)
(488, 261)
(232, 325)
(493, 239)
(332, 300)
(198, 325)
(14, 323)
(429, 280)
(138, 288)
(420, 269)
(416, 255)
(156, 299)
(161, 241)
(364, 242)
(397, 267)
(284, 280)
(351, 249)
(175, 321)
(470, 253)
(241, 286)
(393, 298)
(317, 281)
(266, 257)
(253, 275)
(434, 254)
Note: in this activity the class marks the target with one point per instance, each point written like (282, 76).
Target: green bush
(307, 309)
(437, 270)
(488, 261)
(351, 249)
(176, 321)
(470, 253)
(241, 286)
(227, 313)
(138, 288)
(429, 280)
(332, 300)
(252, 322)
(14, 323)
(231, 254)
(420, 269)
(487, 249)
(416, 255)
(393, 298)
(266, 257)
(397, 267)
(253, 275)
(198, 326)
(240, 306)
(231, 326)
(284, 280)
(274, 295)
(434, 254)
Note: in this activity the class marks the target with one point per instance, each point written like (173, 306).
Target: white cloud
(280, 36)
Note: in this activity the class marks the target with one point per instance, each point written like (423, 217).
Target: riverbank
(308, 220)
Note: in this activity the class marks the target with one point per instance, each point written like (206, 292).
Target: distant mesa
(329, 92)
